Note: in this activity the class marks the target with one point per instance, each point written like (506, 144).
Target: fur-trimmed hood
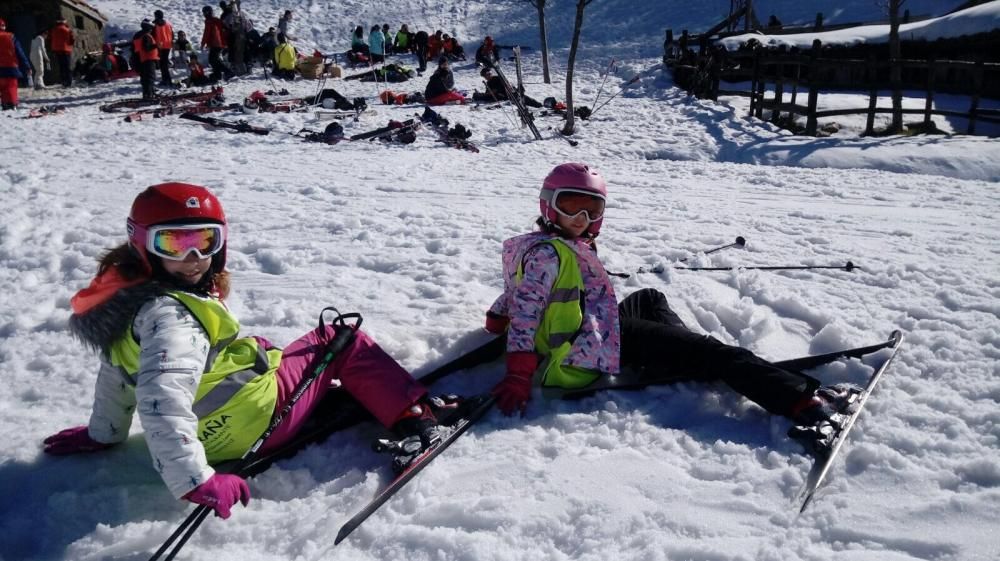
(102, 325)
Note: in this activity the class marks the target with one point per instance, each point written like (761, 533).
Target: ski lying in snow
(489, 351)
(632, 380)
(137, 102)
(45, 111)
(388, 132)
(329, 114)
(238, 126)
(822, 466)
(457, 137)
(484, 403)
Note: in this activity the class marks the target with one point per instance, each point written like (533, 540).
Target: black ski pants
(165, 78)
(220, 70)
(147, 77)
(656, 343)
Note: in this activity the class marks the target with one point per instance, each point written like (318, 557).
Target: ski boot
(422, 426)
(819, 418)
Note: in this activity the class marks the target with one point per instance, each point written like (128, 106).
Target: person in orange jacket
(163, 32)
(147, 51)
(61, 44)
(214, 37)
(14, 64)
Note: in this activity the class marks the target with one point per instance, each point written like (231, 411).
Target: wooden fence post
(929, 104)
(872, 75)
(818, 26)
(977, 90)
(811, 124)
(779, 92)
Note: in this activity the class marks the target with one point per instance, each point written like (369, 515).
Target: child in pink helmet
(566, 330)
(171, 352)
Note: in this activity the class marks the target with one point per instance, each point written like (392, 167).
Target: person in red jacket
(61, 44)
(214, 37)
(13, 66)
(434, 44)
(148, 52)
(163, 32)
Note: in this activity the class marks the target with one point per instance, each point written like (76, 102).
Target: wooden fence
(808, 73)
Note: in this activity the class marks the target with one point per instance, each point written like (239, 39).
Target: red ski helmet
(174, 203)
(572, 176)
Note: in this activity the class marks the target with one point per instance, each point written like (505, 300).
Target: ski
(526, 117)
(136, 102)
(45, 111)
(483, 405)
(387, 132)
(822, 466)
(632, 380)
(334, 114)
(489, 351)
(453, 137)
(238, 126)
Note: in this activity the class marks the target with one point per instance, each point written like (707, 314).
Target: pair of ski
(237, 126)
(135, 103)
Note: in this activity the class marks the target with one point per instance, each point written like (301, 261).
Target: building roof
(86, 8)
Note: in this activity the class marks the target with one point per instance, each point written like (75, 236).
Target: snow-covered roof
(971, 21)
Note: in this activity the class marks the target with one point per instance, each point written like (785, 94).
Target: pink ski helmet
(571, 176)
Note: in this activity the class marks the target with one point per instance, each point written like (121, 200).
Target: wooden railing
(808, 73)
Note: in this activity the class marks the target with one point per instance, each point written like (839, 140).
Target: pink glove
(73, 441)
(514, 391)
(496, 323)
(220, 492)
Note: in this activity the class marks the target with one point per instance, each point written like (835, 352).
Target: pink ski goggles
(175, 242)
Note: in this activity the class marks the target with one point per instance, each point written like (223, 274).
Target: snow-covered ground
(410, 236)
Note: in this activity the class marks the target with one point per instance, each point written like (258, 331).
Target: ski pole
(606, 73)
(341, 339)
(740, 242)
(619, 92)
(849, 266)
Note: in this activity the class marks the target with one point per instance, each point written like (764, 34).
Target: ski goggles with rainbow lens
(571, 202)
(175, 242)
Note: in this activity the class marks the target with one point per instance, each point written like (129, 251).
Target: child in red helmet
(566, 330)
(171, 351)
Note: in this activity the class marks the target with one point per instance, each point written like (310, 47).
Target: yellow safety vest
(238, 390)
(561, 323)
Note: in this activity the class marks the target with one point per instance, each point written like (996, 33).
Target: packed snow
(410, 236)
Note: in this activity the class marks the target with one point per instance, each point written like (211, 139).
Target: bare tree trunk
(570, 125)
(540, 5)
(895, 67)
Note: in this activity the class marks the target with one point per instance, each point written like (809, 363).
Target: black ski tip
(344, 532)
(741, 241)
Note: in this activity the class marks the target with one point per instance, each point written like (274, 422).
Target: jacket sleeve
(531, 297)
(114, 405)
(174, 351)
